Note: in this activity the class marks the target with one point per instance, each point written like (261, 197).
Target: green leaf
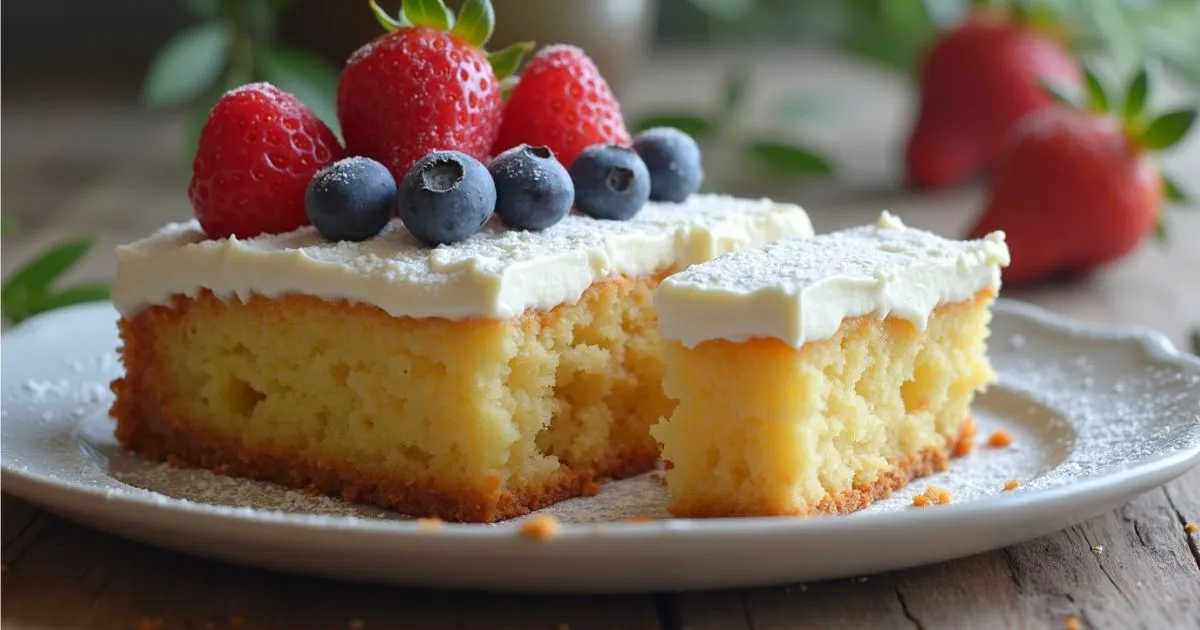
(476, 21)
(731, 11)
(735, 91)
(506, 60)
(1160, 229)
(1136, 93)
(207, 9)
(1057, 94)
(1097, 95)
(431, 13)
(188, 64)
(79, 294)
(385, 20)
(1168, 129)
(1172, 191)
(691, 124)
(308, 77)
(786, 161)
(36, 277)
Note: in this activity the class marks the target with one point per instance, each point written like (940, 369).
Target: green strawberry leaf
(431, 13)
(476, 21)
(385, 20)
(306, 76)
(1160, 229)
(1097, 96)
(784, 161)
(1136, 94)
(1167, 129)
(1172, 191)
(1057, 94)
(36, 277)
(188, 64)
(506, 60)
(695, 126)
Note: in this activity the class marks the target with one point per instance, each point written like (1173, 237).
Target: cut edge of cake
(819, 376)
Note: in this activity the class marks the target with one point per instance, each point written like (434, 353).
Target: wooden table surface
(91, 165)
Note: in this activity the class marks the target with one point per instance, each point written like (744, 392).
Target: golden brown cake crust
(149, 423)
(922, 464)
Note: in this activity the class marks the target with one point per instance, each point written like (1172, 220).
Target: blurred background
(804, 100)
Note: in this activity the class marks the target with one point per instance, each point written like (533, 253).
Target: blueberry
(446, 197)
(533, 190)
(611, 182)
(673, 159)
(351, 200)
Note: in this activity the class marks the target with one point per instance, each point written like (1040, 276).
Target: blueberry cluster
(447, 195)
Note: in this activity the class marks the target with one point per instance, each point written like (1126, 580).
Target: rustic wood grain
(101, 167)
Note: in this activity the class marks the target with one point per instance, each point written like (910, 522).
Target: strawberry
(425, 85)
(257, 152)
(977, 81)
(563, 103)
(1076, 188)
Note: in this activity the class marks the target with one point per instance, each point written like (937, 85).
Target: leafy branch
(31, 290)
(232, 44)
(771, 158)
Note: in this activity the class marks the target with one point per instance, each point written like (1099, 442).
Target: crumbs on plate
(999, 439)
(430, 523)
(933, 495)
(540, 527)
(1011, 484)
(1192, 528)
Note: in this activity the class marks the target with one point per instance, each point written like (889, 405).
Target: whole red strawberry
(563, 103)
(977, 81)
(425, 85)
(1075, 189)
(257, 153)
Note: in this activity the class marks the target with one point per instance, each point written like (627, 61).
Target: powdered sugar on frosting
(800, 290)
(497, 273)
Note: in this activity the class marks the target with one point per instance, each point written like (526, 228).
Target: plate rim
(42, 490)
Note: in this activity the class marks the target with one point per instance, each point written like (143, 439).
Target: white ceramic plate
(1098, 416)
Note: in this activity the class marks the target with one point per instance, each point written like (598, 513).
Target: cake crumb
(1192, 528)
(1097, 549)
(932, 495)
(920, 500)
(430, 523)
(1011, 484)
(540, 527)
(1072, 623)
(147, 623)
(999, 439)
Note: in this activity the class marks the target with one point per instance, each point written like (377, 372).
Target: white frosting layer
(498, 273)
(800, 290)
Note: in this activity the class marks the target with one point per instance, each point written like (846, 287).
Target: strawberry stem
(506, 60)
(431, 13)
(476, 21)
(388, 22)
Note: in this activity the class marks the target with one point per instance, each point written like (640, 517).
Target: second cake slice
(817, 375)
